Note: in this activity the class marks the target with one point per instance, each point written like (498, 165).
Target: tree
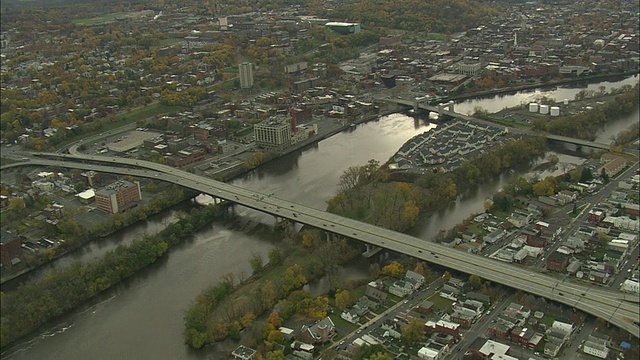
(367, 351)
(80, 186)
(446, 277)
(275, 355)
(276, 256)
(293, 278)
(16, 204)
(256, 263)
(413, 331)
(344, 299)
(475, 282)
(275, 336)
(394, 269)
(421, 268)
(380, 356)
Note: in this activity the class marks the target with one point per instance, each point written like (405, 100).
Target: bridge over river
(621, 310)
(447, 109)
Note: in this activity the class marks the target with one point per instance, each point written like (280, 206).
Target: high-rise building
(118, 197)
(246, 75)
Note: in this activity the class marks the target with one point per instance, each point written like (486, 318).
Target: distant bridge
(448, 109)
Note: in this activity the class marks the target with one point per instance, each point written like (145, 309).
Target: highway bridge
(443, 111)
(621, 310)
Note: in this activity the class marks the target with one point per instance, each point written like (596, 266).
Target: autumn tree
(421, 268)
(394, 269)
(293, 278)
(344, 299)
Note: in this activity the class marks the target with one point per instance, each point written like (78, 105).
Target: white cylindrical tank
(566, 101)
(555, 111)
(544, 109)
(533, 107)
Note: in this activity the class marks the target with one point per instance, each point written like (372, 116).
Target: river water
(142, 318)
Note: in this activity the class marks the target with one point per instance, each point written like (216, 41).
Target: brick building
(10, 249)
(118, 197)
(557, 262)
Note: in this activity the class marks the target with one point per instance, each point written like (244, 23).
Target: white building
(630, 286)
(596, 346)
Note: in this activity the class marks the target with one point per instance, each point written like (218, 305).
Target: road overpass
(619, 309)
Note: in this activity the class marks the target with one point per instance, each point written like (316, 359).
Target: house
(463, 316)
(417, 278)
(494, 236)
(425, 307)
(552, 347)
(350, 315)
(519, 218)
(244, 353)
(613, 166)
(391, 328)
(433, 351)
(562, 328)
(548, 229)
(453, 285)
(596, 215)
(492, 350)
(501, 329)
(361, 307)
(442, 327)
(319, 332)
(526, 336)
(485, 299)
(401, 288)
(595, 349)
(375, 293)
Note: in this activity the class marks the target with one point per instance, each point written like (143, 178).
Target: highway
(618, 308)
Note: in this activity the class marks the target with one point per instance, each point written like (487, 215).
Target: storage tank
(544, 109)
(566, 101)
(555, 111)
(533, 107)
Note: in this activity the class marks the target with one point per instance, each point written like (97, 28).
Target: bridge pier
(445, 106)
(417, 101)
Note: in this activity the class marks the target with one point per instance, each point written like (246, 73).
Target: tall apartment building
(246, 75)
(118, 197)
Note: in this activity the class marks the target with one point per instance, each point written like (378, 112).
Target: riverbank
(38, 302)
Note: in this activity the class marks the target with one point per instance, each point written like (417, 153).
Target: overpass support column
(415, 104)
(450, 106)
(440, 110)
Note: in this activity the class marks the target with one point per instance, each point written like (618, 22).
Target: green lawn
(547, 320)
(440, 303)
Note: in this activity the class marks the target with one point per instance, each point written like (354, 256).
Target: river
(142, 318)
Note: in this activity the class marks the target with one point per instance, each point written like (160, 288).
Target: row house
(443, 327)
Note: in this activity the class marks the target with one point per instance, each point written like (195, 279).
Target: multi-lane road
(619, 309)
